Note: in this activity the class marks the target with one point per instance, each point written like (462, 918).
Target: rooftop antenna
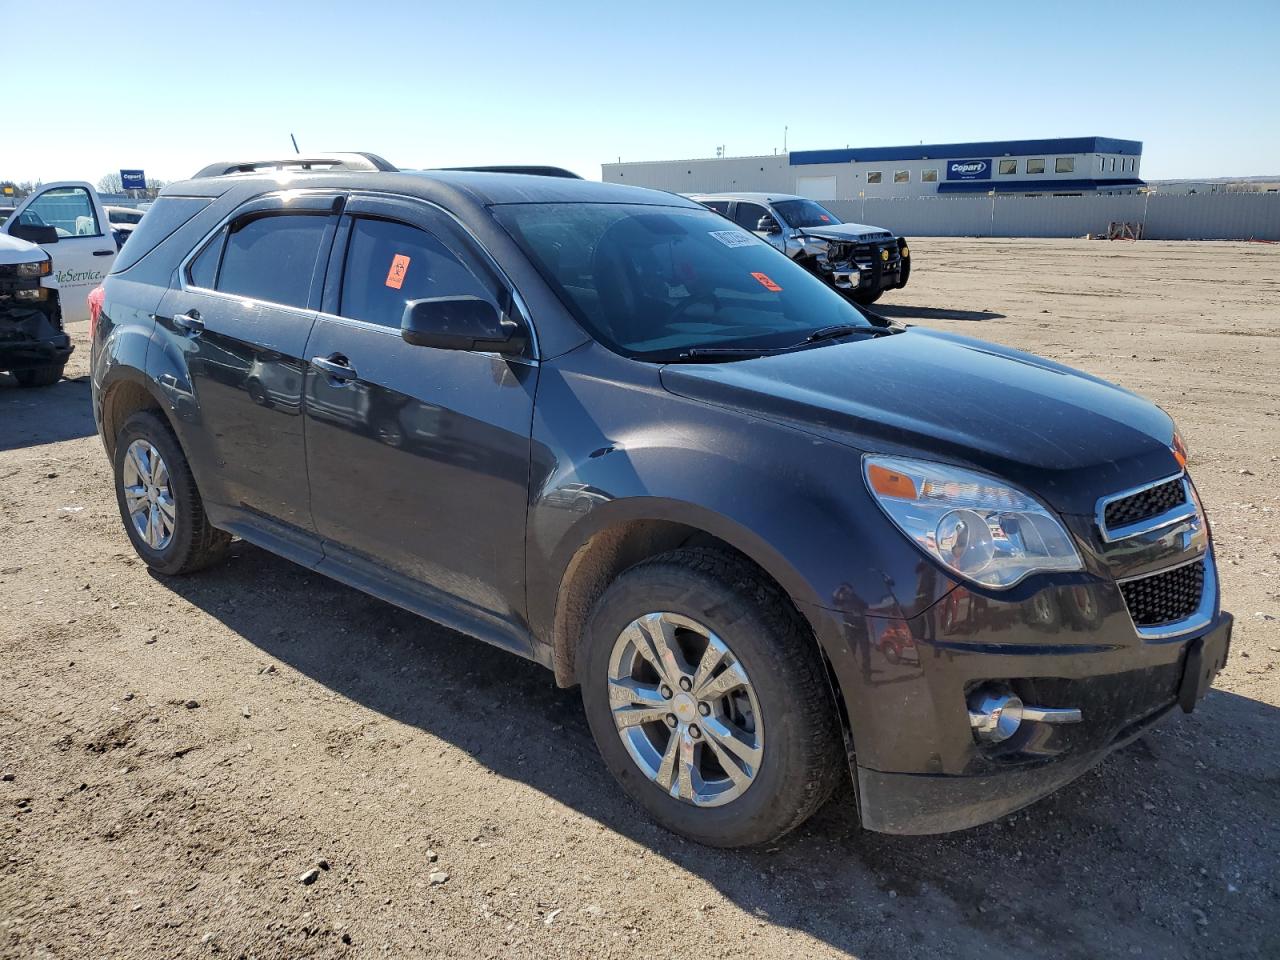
(295, 143)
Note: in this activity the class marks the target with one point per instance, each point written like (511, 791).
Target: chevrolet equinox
(775, 540)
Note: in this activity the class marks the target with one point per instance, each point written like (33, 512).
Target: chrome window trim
(1203, 615)
(1183, 511)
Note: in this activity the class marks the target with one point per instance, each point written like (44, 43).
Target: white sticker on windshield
(733, 238)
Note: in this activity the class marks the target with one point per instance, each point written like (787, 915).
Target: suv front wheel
(708, 700)
(159, 503)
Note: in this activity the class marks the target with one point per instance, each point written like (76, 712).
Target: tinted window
(203, 270)
(652, 282)
(805, 213)
(389, 264)
(748, 215)
(164, 217)
(719, 206)
(67, 209)
(272, 258)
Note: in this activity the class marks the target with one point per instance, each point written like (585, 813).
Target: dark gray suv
(777, 542)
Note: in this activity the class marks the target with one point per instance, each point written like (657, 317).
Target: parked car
(67, 220)
(34, 347)
(861, 262)
(775, 544)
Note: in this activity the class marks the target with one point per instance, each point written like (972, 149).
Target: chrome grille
(1145, 504)
(1166, 597)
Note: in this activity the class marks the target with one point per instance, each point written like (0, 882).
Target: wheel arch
(626, 540)
(123, 397)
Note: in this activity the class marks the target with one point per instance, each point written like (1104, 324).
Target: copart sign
(969, 169)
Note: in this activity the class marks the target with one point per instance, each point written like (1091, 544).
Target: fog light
(994, 717)
(37, 293)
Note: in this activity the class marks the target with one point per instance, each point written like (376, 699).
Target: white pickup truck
(68, 221)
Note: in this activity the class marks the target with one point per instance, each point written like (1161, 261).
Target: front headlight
(974, 525)
(40, 268)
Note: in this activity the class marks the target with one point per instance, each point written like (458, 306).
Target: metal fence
(1220, 216)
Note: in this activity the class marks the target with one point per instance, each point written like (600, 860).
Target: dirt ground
(178, 754)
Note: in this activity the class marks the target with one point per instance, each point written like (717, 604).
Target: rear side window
(272, 258)
(164, 217)
(389, 264)
(719, 206)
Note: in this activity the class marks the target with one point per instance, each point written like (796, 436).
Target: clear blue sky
(160, 86)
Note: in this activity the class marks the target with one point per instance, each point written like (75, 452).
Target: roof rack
(319, 162)
(534, 171)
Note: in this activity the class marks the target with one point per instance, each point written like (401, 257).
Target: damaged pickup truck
(34, 347)
(861, 262)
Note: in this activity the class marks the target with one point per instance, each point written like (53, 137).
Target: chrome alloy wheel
(685, 709)
(148, 496)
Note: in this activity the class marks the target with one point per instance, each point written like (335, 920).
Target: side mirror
(768, 225)
(34, 234)
(460, 323)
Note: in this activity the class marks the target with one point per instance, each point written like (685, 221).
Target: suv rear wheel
(159, 503)
(708, 700)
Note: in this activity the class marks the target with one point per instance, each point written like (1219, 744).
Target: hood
(14, 250)
(1058, 433)
(848, 231)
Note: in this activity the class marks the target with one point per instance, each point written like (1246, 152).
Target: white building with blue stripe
(1065, 166)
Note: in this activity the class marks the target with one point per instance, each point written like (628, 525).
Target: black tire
(195, 543)
(803, 757)
(45, 376)
(866, 297)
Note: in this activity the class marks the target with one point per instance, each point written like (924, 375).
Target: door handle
(190, 323)
(336, 366)
(103, 253)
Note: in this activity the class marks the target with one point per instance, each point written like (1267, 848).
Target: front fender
(612, 446)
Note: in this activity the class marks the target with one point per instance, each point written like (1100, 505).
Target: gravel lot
(257, 762)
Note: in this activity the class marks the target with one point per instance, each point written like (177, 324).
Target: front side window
(874, 176)
(272, 258)
(748, 215)
(902, 176)
(929, 176)
(1008, 166)
(654, 282)
(1068, 165)
(805, 213)
(67, 209)
(390, 263)
(1035, 166)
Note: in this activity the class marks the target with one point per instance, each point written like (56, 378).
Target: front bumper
(904, 682)
(31, 335)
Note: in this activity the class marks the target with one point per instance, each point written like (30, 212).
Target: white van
(68, 221)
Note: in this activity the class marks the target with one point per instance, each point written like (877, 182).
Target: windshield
(654, 282)
(805, 213)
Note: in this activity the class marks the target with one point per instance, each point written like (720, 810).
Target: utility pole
(784, 139)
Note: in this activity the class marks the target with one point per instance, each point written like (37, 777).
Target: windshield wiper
(837, 330)
(724, 353)
(833, 332)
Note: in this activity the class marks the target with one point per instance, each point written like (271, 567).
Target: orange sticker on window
(399, 267)
(766, 282)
